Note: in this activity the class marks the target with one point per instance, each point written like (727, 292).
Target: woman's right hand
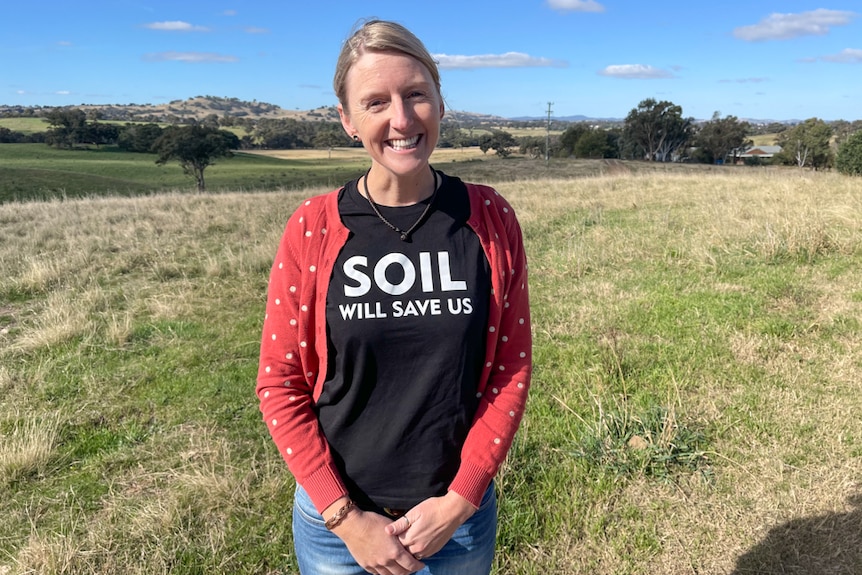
(364, 533)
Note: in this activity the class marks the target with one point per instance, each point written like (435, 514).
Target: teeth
(404, 144)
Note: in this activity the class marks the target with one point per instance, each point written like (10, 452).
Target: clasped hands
(385, 547)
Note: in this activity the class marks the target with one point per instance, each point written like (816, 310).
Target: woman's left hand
(427, 527)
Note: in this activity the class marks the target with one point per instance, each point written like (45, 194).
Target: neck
(391, 191)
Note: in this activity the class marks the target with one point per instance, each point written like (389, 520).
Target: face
(393, 106)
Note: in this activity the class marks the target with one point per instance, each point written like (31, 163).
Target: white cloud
(255, 30)
(189, 57)
(635, 72)
(744, 81)
(229, 12)
(62, 92)
(175, 26)
(64, 43)
(507, 60)
(21, 92)
(576, 5)
(786, 26)
(845, 56)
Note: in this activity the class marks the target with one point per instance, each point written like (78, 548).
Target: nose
(402, 115)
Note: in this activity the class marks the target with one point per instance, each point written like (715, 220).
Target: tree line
(654, 131)
(658, 131)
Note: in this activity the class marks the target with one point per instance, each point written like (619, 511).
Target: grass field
(37, 171)
(24, 125)
(694, 407)
(440, 155)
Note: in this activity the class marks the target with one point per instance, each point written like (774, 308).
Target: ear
(345, 121)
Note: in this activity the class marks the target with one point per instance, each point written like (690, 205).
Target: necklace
(405, 234)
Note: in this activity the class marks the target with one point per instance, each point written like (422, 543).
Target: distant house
(760, 152)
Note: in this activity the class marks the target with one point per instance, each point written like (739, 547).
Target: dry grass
(146, 519)
(777, 389)
(440, 155)
(795, 466)
(28, 448)
(73, 255)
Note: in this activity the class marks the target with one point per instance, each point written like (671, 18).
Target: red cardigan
(293, 355)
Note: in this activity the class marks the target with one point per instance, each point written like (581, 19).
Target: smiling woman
(396, 351)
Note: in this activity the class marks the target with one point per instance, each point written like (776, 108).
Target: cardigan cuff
(323, 486)
(471, 482)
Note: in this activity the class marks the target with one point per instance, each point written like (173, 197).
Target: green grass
(37, 171)
(696, 345)
(24, 125)
(35, 125)
(40, 172)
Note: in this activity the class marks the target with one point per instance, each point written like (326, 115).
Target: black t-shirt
(406, 327)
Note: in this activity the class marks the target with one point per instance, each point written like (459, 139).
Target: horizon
(778, 61)
(568, 118)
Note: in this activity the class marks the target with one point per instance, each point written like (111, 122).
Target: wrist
(459, 506)
(337, 512)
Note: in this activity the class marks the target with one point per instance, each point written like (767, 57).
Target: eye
(375, 104)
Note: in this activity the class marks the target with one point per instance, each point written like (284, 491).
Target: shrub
(849, 160)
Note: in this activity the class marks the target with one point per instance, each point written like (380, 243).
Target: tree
(451, 136)
(842, 130)
(596, 143)
(849, 160)
(8, 136)
(569, 138)
(331, 137)
(657, 130)
(807, 144)
(68, 127)
(195, 147)
(100, 134)
(498, 140)
(139, 137)
(288, 133)
(210, 121)
(720, 137)
(533, 146)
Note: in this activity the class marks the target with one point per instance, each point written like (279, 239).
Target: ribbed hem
(324, 486)
(471, 482)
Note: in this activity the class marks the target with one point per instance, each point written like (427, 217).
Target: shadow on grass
(828, 544)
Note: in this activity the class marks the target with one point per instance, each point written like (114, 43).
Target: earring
(355, 138)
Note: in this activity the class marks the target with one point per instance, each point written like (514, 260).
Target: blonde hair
(380, 36)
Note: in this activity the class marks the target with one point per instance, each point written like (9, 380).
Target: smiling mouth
(407, 144)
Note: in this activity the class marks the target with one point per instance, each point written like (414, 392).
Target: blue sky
(765, 59)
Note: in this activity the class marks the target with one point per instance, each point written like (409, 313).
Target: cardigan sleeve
(508, 366)
(288, 364)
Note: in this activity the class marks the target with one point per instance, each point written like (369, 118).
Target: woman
(396, 350)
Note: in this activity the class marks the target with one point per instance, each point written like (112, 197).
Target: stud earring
(355, 138)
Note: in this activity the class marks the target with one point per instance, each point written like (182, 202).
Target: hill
(199, 107)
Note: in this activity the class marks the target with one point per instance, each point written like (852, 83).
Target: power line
(548, 136)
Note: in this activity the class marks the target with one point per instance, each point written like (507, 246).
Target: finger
(413, 565)
(399, 526)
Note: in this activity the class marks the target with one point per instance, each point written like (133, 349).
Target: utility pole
(548, 137)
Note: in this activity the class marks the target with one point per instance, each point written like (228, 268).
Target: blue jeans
(469, 552)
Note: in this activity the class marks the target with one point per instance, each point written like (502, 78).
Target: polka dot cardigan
(293, 354)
